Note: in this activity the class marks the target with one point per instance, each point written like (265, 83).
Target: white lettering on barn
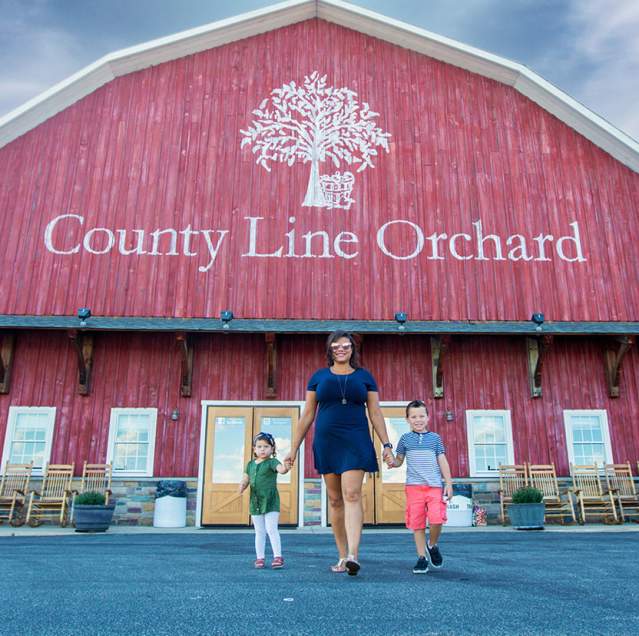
(480, 247)
(399, 240)
(101, 240)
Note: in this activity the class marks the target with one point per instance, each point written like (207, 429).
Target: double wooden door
(229, 447)
(383, 497)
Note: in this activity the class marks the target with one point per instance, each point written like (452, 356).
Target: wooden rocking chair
(511, 477)
(55, 495)
(557, 504)
(622, 486)
(96, 478)
(590, 494)
(13, 492)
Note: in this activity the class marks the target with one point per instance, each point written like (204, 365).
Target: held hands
(289, 461)
(389, 458)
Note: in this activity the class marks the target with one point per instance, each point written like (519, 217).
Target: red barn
(222, 199)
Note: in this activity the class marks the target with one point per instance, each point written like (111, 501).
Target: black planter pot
(527, 516)
(93, 518)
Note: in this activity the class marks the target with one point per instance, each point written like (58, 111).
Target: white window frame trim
(12, 420)
(150, 460)
(603, 418)
(510, 449)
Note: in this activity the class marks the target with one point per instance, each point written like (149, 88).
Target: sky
(587, 48)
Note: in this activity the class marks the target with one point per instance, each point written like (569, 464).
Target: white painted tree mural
(315, 123)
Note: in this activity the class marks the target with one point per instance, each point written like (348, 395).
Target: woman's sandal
(339, 566)
(352, 565)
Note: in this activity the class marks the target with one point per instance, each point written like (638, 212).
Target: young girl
(261, 474)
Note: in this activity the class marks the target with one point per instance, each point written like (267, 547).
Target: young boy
(426, 464)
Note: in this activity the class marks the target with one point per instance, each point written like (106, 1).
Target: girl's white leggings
(267, 524)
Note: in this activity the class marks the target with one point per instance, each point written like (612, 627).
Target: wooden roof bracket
(185, 345)
(83, 343)
(438, 350)
(536, 348)
(270, 389)
(613, 357)
(7, 348)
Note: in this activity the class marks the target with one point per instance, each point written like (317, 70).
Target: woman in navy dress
(337, 398)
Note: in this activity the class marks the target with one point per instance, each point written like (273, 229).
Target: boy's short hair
(416, 404)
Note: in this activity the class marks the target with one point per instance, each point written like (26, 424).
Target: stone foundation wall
(312, 502)
(135, 499)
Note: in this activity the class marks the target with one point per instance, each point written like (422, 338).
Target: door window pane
(396, 427)
(280, 429)
(228, 450)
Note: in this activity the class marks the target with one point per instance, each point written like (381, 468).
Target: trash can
(460, 507)
(170, 504)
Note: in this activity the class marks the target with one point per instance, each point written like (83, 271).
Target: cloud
(51, 56)
(606, 37)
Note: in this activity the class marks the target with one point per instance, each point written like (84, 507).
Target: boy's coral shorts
(424, 502)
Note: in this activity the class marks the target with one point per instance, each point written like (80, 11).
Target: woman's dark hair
(416, 404)
(334, 337)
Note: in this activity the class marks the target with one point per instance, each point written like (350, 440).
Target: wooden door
(228, 448)
(390, 498)
(368, 498)
(229, 432)
(281, 424)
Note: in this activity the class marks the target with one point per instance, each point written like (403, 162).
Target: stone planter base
(527, 516)
(93, 518)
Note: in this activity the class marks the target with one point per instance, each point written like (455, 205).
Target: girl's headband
(267, 437)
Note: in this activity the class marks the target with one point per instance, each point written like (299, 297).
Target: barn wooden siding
(481, 373)
(160, 148)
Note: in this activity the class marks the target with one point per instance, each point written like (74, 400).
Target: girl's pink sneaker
(259, 564)
(278, 562)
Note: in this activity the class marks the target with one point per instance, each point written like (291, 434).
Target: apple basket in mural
(313, 124)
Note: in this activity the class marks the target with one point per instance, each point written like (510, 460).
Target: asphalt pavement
(500, 582)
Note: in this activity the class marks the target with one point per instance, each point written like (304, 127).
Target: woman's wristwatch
(388, 445)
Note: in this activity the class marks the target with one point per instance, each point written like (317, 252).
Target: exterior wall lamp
(538, 319)
(226, 316)
(401, 318)
(84, 313)
(175, 415)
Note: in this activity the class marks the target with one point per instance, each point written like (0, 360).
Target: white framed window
(132, 441)
(28, 436)
(490, 441)
(587, 436)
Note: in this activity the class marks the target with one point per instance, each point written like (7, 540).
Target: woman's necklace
(343, 388)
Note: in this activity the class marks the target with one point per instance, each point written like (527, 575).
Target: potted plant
(91, 514)
(527, 509)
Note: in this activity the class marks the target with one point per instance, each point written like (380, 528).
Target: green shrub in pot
(527, 495)
(527, 509)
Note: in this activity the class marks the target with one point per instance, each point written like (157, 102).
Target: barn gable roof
(565, 108)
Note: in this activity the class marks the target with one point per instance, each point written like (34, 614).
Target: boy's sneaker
(421, 567)
(436, 558)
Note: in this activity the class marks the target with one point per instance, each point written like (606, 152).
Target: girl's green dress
(263, 481)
